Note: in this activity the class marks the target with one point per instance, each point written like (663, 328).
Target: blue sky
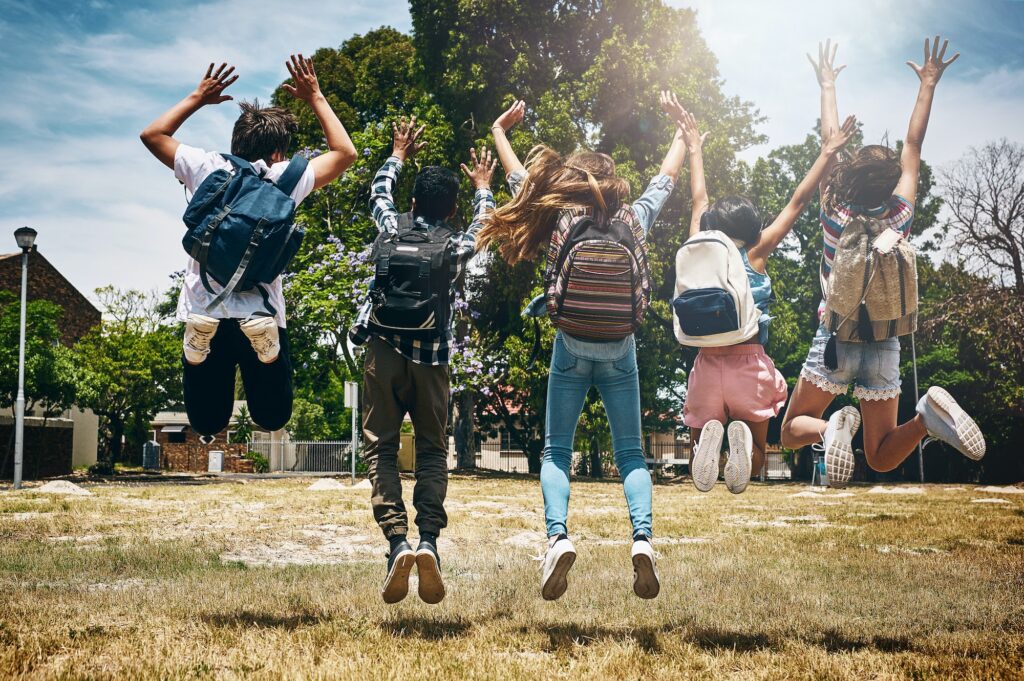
(81, 78)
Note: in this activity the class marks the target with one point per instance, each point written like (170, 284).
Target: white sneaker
(199, 331)
(560, 556)
(704, 463)
(837, 443)
(645, 571)
(262, 333)
(947, 421)
(741, 449)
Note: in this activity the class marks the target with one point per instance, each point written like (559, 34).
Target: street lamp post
(26, 237)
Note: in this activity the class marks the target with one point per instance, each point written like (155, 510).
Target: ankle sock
(430, 537)
(640, 536)
(396, 539)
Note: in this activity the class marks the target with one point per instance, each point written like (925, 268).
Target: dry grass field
(267, 579)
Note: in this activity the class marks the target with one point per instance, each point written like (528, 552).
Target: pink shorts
(734, 383)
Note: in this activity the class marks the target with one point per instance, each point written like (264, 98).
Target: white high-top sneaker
(199, 331)
(645, 571)
(560, 556)
(262, 334)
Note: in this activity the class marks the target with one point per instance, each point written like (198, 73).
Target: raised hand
(405, 135)
(825, 69)
(934, 66)
(512, 115)
(303, 74)
(211, 88)
(671, 106)
(483, 168)
(838, 139)
(691, 135)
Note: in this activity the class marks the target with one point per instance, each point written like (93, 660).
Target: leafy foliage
(49, 370)
(128, 367)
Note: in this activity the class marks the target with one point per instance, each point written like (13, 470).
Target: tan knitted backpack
(871, 295)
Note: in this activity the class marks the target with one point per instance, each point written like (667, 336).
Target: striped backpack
(597, 280)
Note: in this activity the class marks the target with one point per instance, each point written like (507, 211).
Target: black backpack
(411, 290)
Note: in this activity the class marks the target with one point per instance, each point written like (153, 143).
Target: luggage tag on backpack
(886, 241)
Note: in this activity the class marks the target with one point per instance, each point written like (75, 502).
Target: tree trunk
(595, 460)
(114, 444)
(465, 454)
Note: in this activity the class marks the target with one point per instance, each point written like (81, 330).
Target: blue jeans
(577, 365)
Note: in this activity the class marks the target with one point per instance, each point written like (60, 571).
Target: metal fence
(335, 457)
(306, 456)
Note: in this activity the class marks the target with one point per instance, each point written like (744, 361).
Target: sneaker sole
(966, 429)
(396, 586)
(557, 583)
(431, 587)
(704, 467)
(839, 459)
(737, 466)
(645, 580)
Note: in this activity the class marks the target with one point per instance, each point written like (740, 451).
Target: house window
(175, 434)
(508, 444)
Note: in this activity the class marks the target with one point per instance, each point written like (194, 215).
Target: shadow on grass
(426, 628)
(571, 635)
(267, 620)
(831, 640)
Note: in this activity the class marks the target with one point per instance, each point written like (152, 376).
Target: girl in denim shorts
(739, 383)
(872, 182)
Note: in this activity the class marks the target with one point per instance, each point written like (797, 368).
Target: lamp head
(26, 237)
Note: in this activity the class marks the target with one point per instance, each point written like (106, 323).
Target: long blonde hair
(553, 184)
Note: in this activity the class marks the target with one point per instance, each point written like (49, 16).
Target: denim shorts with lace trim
(872, 368)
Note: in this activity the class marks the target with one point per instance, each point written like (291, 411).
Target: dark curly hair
(866, 178)
(436, 191)
(261, 132)
(737, 216)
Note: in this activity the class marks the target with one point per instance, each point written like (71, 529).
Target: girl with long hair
(546, 189)
(871, 184)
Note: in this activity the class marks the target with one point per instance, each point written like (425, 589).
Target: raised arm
(483, 199)
(404, 145)
(773, 234)
(827, 72)
(502, 124)
(929, 74)
(159, 135)
(677, 150)
(698, 186)
(341, 152)
(693, 142)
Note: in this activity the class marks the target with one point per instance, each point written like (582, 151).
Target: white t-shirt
(191, 167)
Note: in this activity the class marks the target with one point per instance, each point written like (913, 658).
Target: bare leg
(802, 425)
(760, 432)
(695, 436)
(887, 445)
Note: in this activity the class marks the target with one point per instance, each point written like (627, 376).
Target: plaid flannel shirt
(382, 207)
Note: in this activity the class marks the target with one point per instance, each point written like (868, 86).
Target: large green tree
(49, 383)
(128, 368)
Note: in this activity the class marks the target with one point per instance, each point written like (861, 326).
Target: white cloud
(106, 211)
(761, 50)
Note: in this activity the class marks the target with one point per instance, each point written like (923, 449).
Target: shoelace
(819, 446)
(203, 337)
(261, 342)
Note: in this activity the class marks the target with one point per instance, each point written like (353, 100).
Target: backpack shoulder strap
(292, 174)
(406, 221)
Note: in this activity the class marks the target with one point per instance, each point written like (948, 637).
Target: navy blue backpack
(241, 227)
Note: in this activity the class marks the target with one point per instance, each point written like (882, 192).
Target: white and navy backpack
(712, 305)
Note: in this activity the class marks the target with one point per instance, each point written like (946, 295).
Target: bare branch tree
(985, 194)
